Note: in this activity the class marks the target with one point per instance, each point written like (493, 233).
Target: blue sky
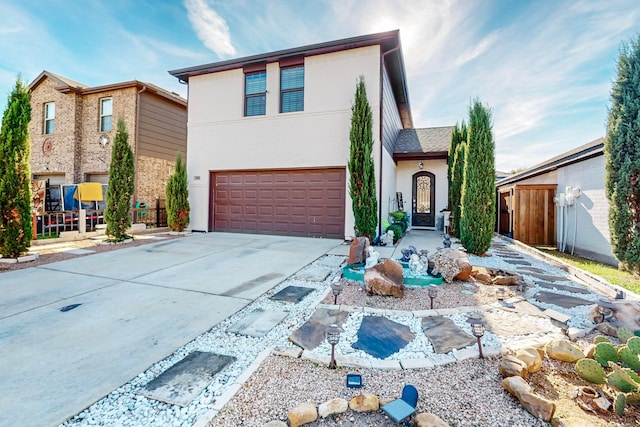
(544, 67)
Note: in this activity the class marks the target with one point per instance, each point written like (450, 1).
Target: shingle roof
(424, 140)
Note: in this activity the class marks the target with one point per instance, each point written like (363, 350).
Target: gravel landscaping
(465, 393)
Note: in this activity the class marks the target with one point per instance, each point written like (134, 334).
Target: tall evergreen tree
(457, 177)
(456, 139)
(121, 185)
(15, 174)
(362, 184)
(622, 158)
(478, 188)
(178, 197)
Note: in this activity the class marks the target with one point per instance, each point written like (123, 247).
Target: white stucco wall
(404, 182)
(588, 219)
(221, 138)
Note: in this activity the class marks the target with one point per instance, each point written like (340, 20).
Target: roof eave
(184, 74)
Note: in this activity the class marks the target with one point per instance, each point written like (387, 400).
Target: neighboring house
(73, 127)
(560, 202)
(268, 140)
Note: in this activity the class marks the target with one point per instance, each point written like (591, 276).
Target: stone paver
(257, 323)
(381, 337)
(293, 294)
(445, 335)
(312, 333)
(574, 289)
(561, 300)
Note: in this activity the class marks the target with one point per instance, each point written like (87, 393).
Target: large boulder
(358, 250)
(537, 406)
(364, 402)
(564, 350)
(451, 264)
(333, 406)
(384, 279)
(302, 414)
(482, 274)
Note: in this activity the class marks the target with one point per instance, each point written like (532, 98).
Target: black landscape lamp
(500, 293)
(333, 337)
(336, 288)
(432, 291)
(477, 329)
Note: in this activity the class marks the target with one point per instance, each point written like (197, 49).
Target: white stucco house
(268, 140)
(565, 194)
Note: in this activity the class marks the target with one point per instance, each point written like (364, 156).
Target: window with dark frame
(49, 118)
(106, 114)
(292, 89)
(255, 93)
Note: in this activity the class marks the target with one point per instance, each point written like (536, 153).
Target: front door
(424, 197)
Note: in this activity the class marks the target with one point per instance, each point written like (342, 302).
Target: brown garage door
(300, 202)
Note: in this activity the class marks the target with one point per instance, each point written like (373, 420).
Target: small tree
(478, 188)
(121, 185)
(178, 197)
(456, 166)
(15, 174)
(622, 158)
(362, 184)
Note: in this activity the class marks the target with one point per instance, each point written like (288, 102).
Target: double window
(49, 117)
(106, 114)
(255, 93)
(292, 89)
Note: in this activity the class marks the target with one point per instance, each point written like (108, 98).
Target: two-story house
(268, 140)
(73, 126)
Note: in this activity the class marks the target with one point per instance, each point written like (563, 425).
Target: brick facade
(75, 149)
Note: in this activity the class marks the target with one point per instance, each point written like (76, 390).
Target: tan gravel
(448, 296)
(466, 393)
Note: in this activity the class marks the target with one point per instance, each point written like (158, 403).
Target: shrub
(178, 197)
(397, 232)
(121, 185)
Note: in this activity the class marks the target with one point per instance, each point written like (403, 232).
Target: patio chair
(401, 409)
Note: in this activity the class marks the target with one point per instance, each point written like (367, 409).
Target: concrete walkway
(138, 305)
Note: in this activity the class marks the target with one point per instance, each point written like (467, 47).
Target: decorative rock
(426, 419)
(358, 250)
(531, 357)
(302, 414)
(385, 279)
(364, 402)
(568, 422)
(607, 329)
(451, 264)
(506, 280)
(333, 406)
(275, 423)
(511, 366)
(564, 350)
(536, 405)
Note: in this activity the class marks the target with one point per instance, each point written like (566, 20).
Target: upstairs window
(49, 117)
(292, 89)
(255, 93)
(106, 114)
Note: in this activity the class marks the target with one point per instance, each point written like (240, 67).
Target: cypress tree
(455, 140)
(362, 184)
(15, 174)
(457, 176)
(178, 197)
(121, 185)
(622, 158)
(478, 188)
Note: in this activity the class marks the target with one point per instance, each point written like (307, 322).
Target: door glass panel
(423, 194)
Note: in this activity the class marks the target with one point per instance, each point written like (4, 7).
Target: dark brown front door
(423, 200)
(299, 202)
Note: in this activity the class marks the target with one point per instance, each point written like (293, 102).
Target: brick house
(560, 202)
(268, 140)
(73, 126)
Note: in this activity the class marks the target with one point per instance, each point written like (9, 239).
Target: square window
(106, 114)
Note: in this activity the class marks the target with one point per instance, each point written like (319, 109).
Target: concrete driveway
(138, 305)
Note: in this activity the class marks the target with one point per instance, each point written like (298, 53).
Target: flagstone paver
(381, 337)
(445, 335)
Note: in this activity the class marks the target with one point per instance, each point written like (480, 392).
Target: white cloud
(210, 27)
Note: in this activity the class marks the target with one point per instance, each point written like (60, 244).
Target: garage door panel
(307, 202)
